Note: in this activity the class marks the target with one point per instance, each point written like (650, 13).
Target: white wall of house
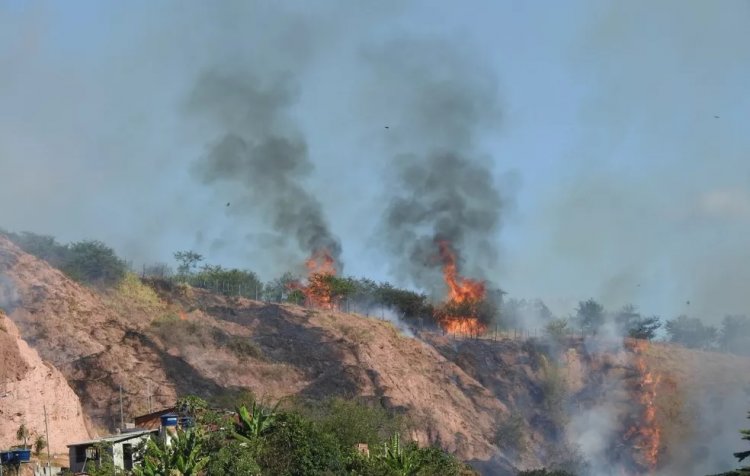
(117, 452)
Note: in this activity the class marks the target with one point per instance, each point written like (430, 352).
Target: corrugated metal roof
(114, 438)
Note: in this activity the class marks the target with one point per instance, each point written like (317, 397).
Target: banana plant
(253, 423)
(401, 461)
(182, 456)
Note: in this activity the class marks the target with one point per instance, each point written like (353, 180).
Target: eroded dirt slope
(28, 386)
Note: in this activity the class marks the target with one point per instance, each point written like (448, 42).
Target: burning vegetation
(466, 310)
(321, 272)
(644, 434)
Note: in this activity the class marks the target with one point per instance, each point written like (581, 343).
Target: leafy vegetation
(691, 332)
(590, 316)
(89, 262)
(183, 455)
(632, 324)
(557, 329)
(311, 439)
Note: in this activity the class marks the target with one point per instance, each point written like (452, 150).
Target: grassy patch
(133, 291)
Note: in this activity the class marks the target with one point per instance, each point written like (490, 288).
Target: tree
(645, 328)
(735, 335)
(40, 443)
(631, 323)
(353, 422)
(691, 332)
(232, 458)
(557, 329)
(590, 316)
(23, 434)
(191, 405)
(187, 261)
(182, 457)
(280, 288)
(294, 445)
(93, 262)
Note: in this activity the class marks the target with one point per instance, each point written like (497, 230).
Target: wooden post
(46, 432)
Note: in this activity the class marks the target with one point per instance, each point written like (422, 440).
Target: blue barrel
(170, 419)
(7, 457)
(22, 455)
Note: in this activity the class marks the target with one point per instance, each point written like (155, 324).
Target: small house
(122, 448)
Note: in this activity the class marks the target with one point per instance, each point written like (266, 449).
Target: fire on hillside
(460, 314)
(644, 435)
(320, 267)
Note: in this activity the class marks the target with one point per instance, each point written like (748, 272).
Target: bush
(353, 422)
(232, 458)
(88, 262)
(294, 445)
(94, 263)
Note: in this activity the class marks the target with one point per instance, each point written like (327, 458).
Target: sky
(619, 148)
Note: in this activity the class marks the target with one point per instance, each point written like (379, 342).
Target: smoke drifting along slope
(261, 158)
(442, 187)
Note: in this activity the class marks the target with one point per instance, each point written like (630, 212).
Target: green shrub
(94, 263)
(232, 458)
(294, 445)
(354, 422)
(89, 262)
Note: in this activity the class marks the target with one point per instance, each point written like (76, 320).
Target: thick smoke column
(442, 188)
(261, 158)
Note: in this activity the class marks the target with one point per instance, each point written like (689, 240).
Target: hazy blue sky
(623, 142)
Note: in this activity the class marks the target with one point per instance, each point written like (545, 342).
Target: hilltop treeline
(89, 262)
(94, 263)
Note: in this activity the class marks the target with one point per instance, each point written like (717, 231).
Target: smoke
(440, 101)
(390, 315)
(261, 158)
(652, 201)
(9, 298)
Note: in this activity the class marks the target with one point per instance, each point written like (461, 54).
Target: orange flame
(647, 434)
(320, 267)
(459, 315)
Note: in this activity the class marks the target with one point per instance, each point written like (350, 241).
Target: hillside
(28, 387)
(157, 340)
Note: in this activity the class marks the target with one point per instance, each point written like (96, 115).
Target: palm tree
(181, 457)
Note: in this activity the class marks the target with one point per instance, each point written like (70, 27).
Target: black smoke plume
(442, 186)
(260, 157)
